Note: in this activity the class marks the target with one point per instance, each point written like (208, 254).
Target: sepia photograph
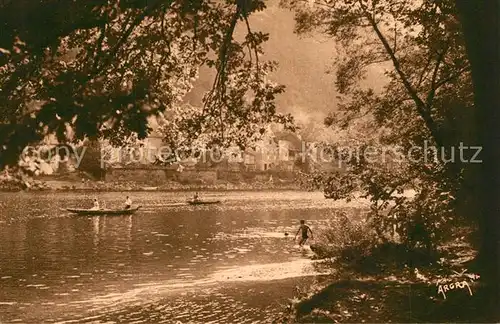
(249, 161)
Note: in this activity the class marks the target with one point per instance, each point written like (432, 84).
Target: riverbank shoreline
(446, 292)
(102, 186)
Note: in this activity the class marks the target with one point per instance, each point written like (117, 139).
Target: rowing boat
(200, 202)
(149, 188)
(103, 211)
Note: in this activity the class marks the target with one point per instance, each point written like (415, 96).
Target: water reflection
(95, 222)
(130, 264)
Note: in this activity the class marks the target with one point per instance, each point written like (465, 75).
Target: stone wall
(158, 176)
(254, 176)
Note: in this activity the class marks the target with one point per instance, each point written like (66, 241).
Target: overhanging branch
(432, 92)
(419, 104)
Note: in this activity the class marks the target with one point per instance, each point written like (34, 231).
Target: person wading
(305, 232)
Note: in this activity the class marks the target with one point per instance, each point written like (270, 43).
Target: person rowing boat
(128, 203)
(96, 205)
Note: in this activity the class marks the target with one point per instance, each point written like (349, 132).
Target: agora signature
(457, 284)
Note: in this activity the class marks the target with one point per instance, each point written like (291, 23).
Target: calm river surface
(167, 263)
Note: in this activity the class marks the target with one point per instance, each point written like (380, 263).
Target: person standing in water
(305, 232)
(128, 203)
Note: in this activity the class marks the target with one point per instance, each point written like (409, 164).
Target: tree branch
(98, 47)
(419, 104)
(252, 37)
(125, 36)
(395, 37)
(432, 92)
(451, 77)
(424, 71)
(218, 84)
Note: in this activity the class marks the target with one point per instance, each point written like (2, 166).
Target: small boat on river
(103, 211)
(149, 188)
(201, 202)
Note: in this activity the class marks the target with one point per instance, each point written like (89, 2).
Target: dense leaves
(99, 69)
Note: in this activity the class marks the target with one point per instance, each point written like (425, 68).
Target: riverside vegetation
(387, 266)
(374, 281)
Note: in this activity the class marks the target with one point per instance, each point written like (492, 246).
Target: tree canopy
(424, 107)
(98, 69)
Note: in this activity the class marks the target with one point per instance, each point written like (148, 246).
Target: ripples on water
(169, 262)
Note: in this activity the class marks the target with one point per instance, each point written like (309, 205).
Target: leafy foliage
(424, 106)
(102, 68)
(346, 240)
(352, 245)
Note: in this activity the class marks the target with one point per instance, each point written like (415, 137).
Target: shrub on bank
(345, 242)
(354, 245)
(17, 180)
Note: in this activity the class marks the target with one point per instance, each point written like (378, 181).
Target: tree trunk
(481, 31)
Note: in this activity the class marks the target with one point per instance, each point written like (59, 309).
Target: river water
(167, 263)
